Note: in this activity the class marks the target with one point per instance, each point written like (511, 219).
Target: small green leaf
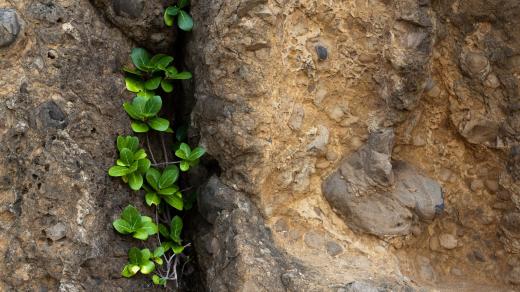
(146, 254)
(174, 201)
(140, 58)
(184, 75)
(126, 156)
(141, 234)
(153, 83)
(196, 153)
(131, 111)
(121, 143)
(158, 252)
(152, 199)
(183, 3)
(158, 261)
(146, 93)
(169, 191)
(140, 154)
(132, 71)
(168, 19)
(176, 229)
(167, 245)
(152, 177)
(139, 127)
(177, 249)
(131, 215)
(147, 267)
(186, 149)
(132, 143)
(163, 230)
(122, 226)
(153, 106)
(134, 256)
(166, 86)
(156, 280)
(184, 166)
(171, 71)
(159, 124)
(120, 163)
(129, 270)
(133, 84)
(135, 181)
(172, 10)
(133, 167)
(168, 177)
(184, 21)
(149, 227)
(144, 165)
(164, 62)
(118, 171)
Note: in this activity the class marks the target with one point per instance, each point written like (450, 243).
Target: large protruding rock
(377, 197)
(9, 26)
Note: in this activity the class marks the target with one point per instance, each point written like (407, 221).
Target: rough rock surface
(289, 96)
(60, 112)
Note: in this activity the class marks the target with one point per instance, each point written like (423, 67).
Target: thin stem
(165, 153)
(166, 163)
(150, 149)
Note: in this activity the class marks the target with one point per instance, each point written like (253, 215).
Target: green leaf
(134, 84)
(146, 254)
(152, 199)
(121, 143)
(122, 226)
(158, 252)
(146, 219)
(186, 149)
(140, 58)
(169, 130)
(118, 171)
(167, 245)
(152, 177)
(159, 124)
(135, 181)
(177, 249)
(133, 167)
(140, 154)
(156, 280)
(134, 256)
(168, 177)
(166, 86)
(196, 153)
(169, 191)
(141, 234)
(176, 229)
(139, 127)
(184, 21)
(129, 270)
(132, 71)
(131, 111)
(172, 10)
(184, 75)
(158, 261)
(171, 71)
(146, 93)
(184, 166)
(168, 19)
(147, 267)
(153, 106)
(131, 215)
(149, 227)
(129, 142)
(163, 230)
(174, 201)
(183, 3)
(153, 84)
(144, 165)
(126, 156)
(164, 61)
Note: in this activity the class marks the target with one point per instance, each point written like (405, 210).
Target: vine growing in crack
(137, 165)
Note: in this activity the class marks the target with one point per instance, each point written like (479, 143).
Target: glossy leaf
(174, 201)
(152, 199)
(152, 177)
(118, 171)
(168, 177)
(153, 84)
(159, 124)
(135, 181)
(176, 229)
(184, 21)
(122, 226)
(140, 57)
(166, 86)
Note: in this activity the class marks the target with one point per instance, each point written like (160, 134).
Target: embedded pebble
(476, 185)
(333, 248)
(322, 52)
(9, 27)
(492, 185)
(448, 241)
(56, 232)
(313, 240)
(492, 81)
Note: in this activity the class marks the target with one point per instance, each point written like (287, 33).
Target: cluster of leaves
(132, 163)
(150, 76)
(184, 20)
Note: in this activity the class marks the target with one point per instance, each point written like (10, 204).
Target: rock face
(340, 121)
(361, 145)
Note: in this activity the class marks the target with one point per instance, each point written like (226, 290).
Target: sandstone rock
(9, 26)
(56, 232)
